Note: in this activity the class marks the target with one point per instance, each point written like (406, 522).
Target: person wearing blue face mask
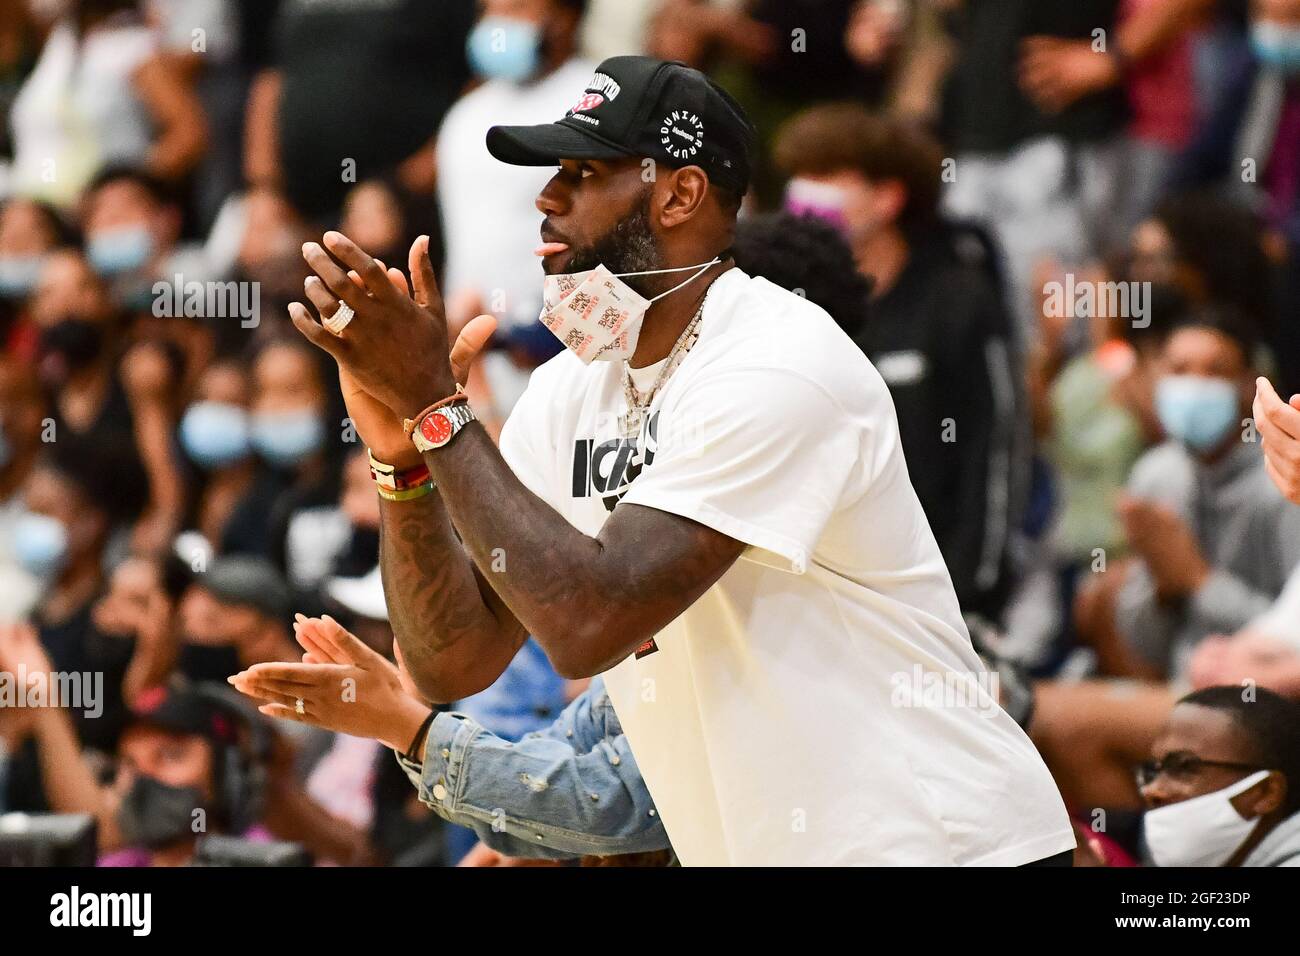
(286, 427)
(293, 461)
(505, 48)
(1214, 540)
(29, 232)
(1256, 115)
(521, 40)
(213, 435)
(72, 504)
(525, 52)
(132, 228)
(22, 408)
(1275, 35)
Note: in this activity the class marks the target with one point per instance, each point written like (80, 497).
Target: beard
(629, 247)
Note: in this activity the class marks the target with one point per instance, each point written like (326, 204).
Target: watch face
(436, 428)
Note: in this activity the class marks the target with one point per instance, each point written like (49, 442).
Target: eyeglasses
(1181, 765)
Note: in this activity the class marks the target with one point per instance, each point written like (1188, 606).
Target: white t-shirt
(772, 724)
(77, 110)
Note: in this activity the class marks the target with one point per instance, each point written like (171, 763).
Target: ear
(1268, 795)
(681, 195)
(889, 197)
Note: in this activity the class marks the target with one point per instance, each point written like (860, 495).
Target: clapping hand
(342, 685)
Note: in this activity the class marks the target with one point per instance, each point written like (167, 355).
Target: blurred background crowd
(1066, 232)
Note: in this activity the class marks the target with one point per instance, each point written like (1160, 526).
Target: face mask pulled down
(597, 315)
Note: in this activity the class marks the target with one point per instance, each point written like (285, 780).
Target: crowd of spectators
(1065, 232)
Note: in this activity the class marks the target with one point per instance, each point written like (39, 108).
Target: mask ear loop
(657, 272)
(681, 285)
(1245, 783)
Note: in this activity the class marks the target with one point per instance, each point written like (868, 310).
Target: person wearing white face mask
(1221, 785)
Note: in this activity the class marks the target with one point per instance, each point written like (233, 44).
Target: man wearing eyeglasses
(1223, 785)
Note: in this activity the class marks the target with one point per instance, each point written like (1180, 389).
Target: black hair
(63, 232)
(728, 198)
(1272, 724)
(1229, 321)
(832, 137)
(1168, 309)
(1221, 240)
(157, 189)
(87, 13)
(109, 477)
(579, 7)
(802, 253)
(175, 575)
(333, 410)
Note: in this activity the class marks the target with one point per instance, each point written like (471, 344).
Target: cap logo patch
(588, 102)
(681, 134)
(604, 83)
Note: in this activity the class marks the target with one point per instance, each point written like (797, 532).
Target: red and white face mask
(597, 315)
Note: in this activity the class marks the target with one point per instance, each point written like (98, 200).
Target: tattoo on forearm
(433, 597)
(555, 578)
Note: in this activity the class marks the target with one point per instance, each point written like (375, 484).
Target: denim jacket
(570, 790)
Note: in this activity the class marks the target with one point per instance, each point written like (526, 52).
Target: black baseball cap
(186, 709)
(640, 106)
(248, 581)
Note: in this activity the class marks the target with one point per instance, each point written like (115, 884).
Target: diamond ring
(337, 322)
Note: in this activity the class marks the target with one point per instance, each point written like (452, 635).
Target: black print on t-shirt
(608, 468)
